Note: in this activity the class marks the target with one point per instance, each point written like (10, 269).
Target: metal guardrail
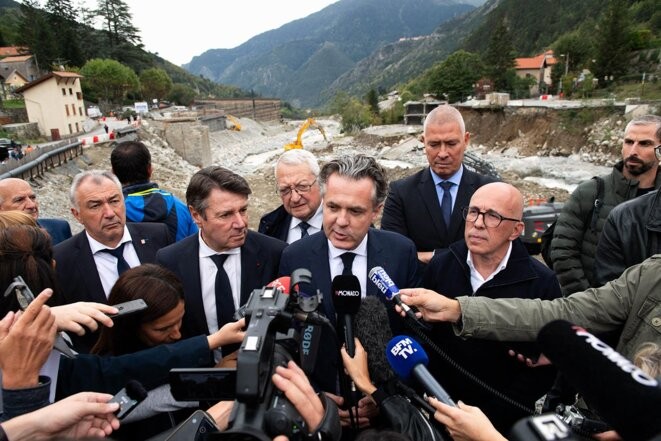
(41, 159)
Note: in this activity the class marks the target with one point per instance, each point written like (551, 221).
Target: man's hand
(87, 414)
(231, 332)
(363, 411)
(540, 361)
(26, 340)
(221, 413)
(296, 387)
(76, 317)
(356, 368)
(425, 256)
(432, 307)
(229, 361)
(465, 423)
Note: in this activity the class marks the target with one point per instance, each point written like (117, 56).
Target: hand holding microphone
(432, 306)
(382, 280)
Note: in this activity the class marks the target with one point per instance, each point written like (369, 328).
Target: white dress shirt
(106, 263)
(359, 267)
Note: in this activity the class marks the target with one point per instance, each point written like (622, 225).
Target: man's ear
(149, 171)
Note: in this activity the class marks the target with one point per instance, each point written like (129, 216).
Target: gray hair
(357, 167)
(444, 114)
(298, 157)
(97, 176)
(646, 120)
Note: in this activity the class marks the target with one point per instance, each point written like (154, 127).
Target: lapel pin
(142, 241)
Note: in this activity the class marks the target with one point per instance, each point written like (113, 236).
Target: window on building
(64, 92)
(73, 109)
(70, 129)
(79, 95)
(70, 91)
(80, 111)
(66, 107)
(77, 128)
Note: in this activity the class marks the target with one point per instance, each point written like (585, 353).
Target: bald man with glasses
(297, 185)
(490, 261)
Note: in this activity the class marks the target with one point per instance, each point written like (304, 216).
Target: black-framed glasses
(491, 218)
(657, 152)
(298, 188)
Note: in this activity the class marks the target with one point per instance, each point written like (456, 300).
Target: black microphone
(346, 300)
(622, 394)
(382, 280)
(373, 331)
(407, 358)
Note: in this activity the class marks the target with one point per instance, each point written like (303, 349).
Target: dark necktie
(224, 297)
(446, 202)
(304, 229)
(118, 253)
(347, 261)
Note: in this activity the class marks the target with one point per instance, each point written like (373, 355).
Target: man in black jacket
(426, 207)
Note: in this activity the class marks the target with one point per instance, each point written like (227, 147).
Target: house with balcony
(55, 102)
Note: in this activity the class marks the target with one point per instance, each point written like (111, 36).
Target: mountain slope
(299, 60)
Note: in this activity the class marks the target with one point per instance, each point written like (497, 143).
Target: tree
(356, 116)
(372, 100)
(456, 76)
(156, 83)
(611, 42)
(35, 32)
(499, 57)
(182, 94)
(118, 23)
(108, 80)
(62, 20)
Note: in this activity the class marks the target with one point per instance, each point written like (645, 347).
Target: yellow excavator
(237, 125)
(298, 144)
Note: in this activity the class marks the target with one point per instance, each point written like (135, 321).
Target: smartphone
(129, 307)
(203, 384)
(128, 398)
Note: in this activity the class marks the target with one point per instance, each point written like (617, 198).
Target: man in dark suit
(16, 194)
(89, 263)
(426, 206)
(296, 176)
(225, 262)
(353, 190)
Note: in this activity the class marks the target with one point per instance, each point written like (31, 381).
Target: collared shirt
(359, 267)
(476, 278)
(455, 179)
(315, 222)
(106, 263)
(208, 270)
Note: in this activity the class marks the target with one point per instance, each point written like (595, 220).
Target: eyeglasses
(657, 152)
(298, 188)
(491, 218)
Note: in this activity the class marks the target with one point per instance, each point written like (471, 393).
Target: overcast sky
(178, 30)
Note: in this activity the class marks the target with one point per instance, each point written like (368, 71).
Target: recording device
(622, 394)
(203, 384)
(261, 411)
(128, 398)
(196, 428)
(24, 297)
(382, 280)
(346, 301)
(130, 307)
(408, 359)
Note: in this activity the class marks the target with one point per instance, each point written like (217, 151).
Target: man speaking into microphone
(353, 189)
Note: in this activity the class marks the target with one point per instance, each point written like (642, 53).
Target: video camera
(261, 411)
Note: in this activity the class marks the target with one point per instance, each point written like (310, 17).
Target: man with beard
(575, 238)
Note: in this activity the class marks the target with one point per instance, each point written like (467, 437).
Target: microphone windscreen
(622, 394)
(404, 354)
(135, 390)
(283, 283)
(372, 328)
(346, 294)
(383, 282)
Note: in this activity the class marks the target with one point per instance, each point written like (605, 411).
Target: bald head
(16, 194)
(443, 115)
(507, 199)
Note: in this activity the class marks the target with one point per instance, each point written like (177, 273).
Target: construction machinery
(298, 144)
(237, 125)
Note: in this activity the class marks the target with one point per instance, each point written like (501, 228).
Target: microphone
(382, 280)
(627, 398)
(373, 331)
(407, 358)
(346, 301)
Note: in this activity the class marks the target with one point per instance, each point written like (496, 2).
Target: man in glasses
(490, 261)
(575, 238)
(297, 184)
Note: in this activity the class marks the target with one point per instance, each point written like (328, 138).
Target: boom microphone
(346, 301)
(373, 331)
(382, 280)
(622, 394)
(407, 358)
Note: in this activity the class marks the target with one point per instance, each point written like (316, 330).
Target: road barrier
(41, 159)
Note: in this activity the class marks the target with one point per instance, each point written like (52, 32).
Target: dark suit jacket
(58, 229)
(412, 209)
(260, 258)
(276, 223)
(394, 252)
(78, 277)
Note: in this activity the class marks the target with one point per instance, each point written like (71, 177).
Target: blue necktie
(118, 253)
(304, 229)
(446, 202)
